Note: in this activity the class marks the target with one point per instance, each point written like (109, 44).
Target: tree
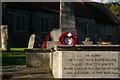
(102, 1)
(116, 10)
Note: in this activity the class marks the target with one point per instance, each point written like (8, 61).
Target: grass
(17, 49)
(14, 58)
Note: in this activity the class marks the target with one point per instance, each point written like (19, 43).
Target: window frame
(114, 30)
(83, 26)
(104, 29)
(49, 23)
(20, 30)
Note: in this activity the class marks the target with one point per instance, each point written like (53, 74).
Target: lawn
(15, 57)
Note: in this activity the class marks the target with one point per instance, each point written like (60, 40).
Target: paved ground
(23, 73)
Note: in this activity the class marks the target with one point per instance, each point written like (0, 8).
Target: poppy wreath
(68, 38)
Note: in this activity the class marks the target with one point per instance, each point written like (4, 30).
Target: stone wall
(38, 59)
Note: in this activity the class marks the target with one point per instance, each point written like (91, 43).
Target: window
(114, 30)
(45, 24)
(105, 30)
(84, 27)
(109, 30)
(77, 24)
(20, 23)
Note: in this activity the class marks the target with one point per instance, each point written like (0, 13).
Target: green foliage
(109, 4)
(102, 1)
(115, 9)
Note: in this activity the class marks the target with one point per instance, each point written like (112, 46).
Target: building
(25, 18)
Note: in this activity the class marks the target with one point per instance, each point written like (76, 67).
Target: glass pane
(45, 23)
(17, 22)
(23, 23)
(104, 29)
(85, 27)
(42, 25)
(114, 30)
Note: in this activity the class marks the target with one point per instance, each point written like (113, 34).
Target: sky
(55, 0)
(106, 1)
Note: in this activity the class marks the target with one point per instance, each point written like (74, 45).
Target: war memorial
(67, 59)
(63, 57)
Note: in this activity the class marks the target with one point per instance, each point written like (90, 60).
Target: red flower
(47, 37)
(43, 44)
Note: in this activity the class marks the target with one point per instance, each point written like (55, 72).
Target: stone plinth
(51, 44)
(55, 34)
(38, 58)
(80, 61)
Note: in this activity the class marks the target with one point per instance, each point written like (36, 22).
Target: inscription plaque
(86, 64)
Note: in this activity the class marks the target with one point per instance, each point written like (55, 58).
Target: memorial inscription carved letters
(90, 64)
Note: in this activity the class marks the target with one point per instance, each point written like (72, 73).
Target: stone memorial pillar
(67, 19)
(4, 37)
(66, 23)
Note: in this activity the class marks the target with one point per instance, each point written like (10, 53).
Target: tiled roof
(101, 12)
(39, 6)
(81, 10)
(98, 11)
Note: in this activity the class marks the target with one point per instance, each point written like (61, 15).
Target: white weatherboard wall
(86, 64)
